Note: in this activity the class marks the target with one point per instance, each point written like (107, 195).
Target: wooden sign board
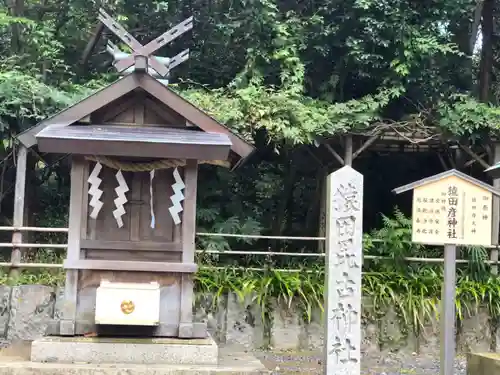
(451, 208)
(454, 211)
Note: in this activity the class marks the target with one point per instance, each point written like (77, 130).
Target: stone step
(15, 360)
(32, 368)
(97, 350)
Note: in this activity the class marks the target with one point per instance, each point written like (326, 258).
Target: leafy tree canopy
(280, 73)
(297, 70)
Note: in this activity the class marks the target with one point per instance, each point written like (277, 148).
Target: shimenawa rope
(148, 166)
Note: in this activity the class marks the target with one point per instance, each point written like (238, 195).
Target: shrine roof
(125, 85)
(144, 141)
(443, 175)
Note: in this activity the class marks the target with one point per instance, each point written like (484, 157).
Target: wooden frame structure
(134, 125)
(411, 136)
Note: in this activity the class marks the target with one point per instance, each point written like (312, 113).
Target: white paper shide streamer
(94, 191)
(151, 178)
(177, 198)
(120, 190)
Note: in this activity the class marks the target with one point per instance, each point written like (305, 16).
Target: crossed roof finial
(160, 66)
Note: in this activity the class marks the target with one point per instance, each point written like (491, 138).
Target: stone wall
(25, 311)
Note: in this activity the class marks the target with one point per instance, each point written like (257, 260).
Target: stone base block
(231, 361)
(195, 330)
(98, 350)
(483, 364)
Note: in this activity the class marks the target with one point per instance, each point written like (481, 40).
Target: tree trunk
(486, 65)
(288, 186)
(316, 201)
(16, 10)
(465, 36)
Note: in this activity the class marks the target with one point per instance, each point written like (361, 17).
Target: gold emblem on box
(127, 307)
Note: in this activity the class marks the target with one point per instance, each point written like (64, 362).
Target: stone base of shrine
(231, 360)
(68, 328)
(483, 364)
(101, 350)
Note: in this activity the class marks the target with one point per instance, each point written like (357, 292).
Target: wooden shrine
(135, 147)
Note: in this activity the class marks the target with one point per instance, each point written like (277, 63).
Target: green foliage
(28, 277)
(285, 115)
(26, 99)
(302, 289)
(296, 71)
(477, 267)
(393, 241)
(8, 20)
(464, 116)
(233, 217)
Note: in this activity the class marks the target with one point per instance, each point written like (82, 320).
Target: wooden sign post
(450, 209)
(344, 258)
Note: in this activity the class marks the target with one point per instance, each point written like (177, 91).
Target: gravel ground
(385, 364)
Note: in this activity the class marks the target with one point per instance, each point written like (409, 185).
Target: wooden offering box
(128, 304)
(136, 146)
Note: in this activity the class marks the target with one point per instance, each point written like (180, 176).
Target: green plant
(393, 243)
(54, 277)
(477, 267)
(413, 296)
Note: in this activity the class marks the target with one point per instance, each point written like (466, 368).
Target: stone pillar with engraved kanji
(344, 259)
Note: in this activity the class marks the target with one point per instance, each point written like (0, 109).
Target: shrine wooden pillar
(348, 153)
(188, 248)
(76, 231)
(18, 216)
